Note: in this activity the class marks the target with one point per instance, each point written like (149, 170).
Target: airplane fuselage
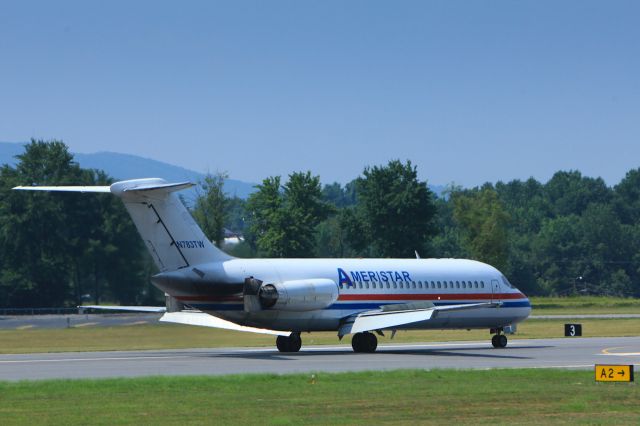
(361, 284)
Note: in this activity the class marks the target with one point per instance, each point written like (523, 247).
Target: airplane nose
(528, 306)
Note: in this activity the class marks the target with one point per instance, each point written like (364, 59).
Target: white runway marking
(136, 323)
(31, 361)
(25, 327)
(247, 350)
(480, 345)
(86, 324)
(540, 367)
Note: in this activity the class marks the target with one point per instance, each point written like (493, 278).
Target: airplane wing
(191, 317)
(205, 320)
(380, 319)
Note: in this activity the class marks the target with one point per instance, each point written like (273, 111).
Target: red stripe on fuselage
(382, 296)
(442, 296)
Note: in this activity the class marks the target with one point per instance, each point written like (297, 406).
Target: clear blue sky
(470, 91)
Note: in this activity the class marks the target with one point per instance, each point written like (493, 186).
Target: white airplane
(287, 297)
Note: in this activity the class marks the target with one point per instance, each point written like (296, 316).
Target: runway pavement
(580, 353)
(28, 322)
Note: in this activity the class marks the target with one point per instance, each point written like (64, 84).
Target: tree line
(63, 249)
(572, 234)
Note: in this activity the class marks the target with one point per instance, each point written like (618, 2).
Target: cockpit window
(506, 282)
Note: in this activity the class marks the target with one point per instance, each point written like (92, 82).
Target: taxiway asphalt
(580, 353)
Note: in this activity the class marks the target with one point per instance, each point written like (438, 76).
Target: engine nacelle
(298, 295)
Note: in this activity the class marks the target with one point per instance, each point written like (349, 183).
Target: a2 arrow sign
(614, 373)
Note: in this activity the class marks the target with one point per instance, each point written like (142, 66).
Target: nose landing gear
(499, 340)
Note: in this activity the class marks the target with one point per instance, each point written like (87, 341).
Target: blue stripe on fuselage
(349, 306)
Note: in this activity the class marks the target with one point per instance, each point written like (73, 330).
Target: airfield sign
(614, 373)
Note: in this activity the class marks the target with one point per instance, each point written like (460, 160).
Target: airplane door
(495, 291)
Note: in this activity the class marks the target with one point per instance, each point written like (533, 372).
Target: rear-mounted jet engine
(298, 296)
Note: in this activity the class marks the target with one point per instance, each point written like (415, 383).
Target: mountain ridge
(129, 166)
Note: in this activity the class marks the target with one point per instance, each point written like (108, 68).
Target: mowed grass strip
(582, 305)
(398, 397)
(171, 336)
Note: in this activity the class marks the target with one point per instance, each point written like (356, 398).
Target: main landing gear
(361, 342)
(499, 340)
(291, 343)
(364, 342)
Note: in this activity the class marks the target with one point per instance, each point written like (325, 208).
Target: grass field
(397, 397)
(584, 305)
(170, 336)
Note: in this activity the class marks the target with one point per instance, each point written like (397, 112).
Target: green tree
(339, 196)
(627, 198)
(527, 205)
(57, 247)
(395, 212)
(263, 207)
(483, 222)
(571, 193)
(619, 284)
(556, 250)
(211, 207)
(283, 220)
(448, 242)
(236, 212)
(36, 237)
(331, 239)
(605, 246)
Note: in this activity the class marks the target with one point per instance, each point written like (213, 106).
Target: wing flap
(466, 306)
(205, 320)
(381, 319)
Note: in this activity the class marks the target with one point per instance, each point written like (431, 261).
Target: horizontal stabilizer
(205, 320)
(65, 188)
(166, 187)
(158, 309)
(139, 185)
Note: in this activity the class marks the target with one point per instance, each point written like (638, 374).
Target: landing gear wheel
(364, 342)
(291, 343)
(502, 341)
(499, 341)
(494, 340)
(296, 342)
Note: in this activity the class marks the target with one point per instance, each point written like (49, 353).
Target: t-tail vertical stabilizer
(167, 228)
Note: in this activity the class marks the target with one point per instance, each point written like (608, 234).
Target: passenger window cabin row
(418, 284)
